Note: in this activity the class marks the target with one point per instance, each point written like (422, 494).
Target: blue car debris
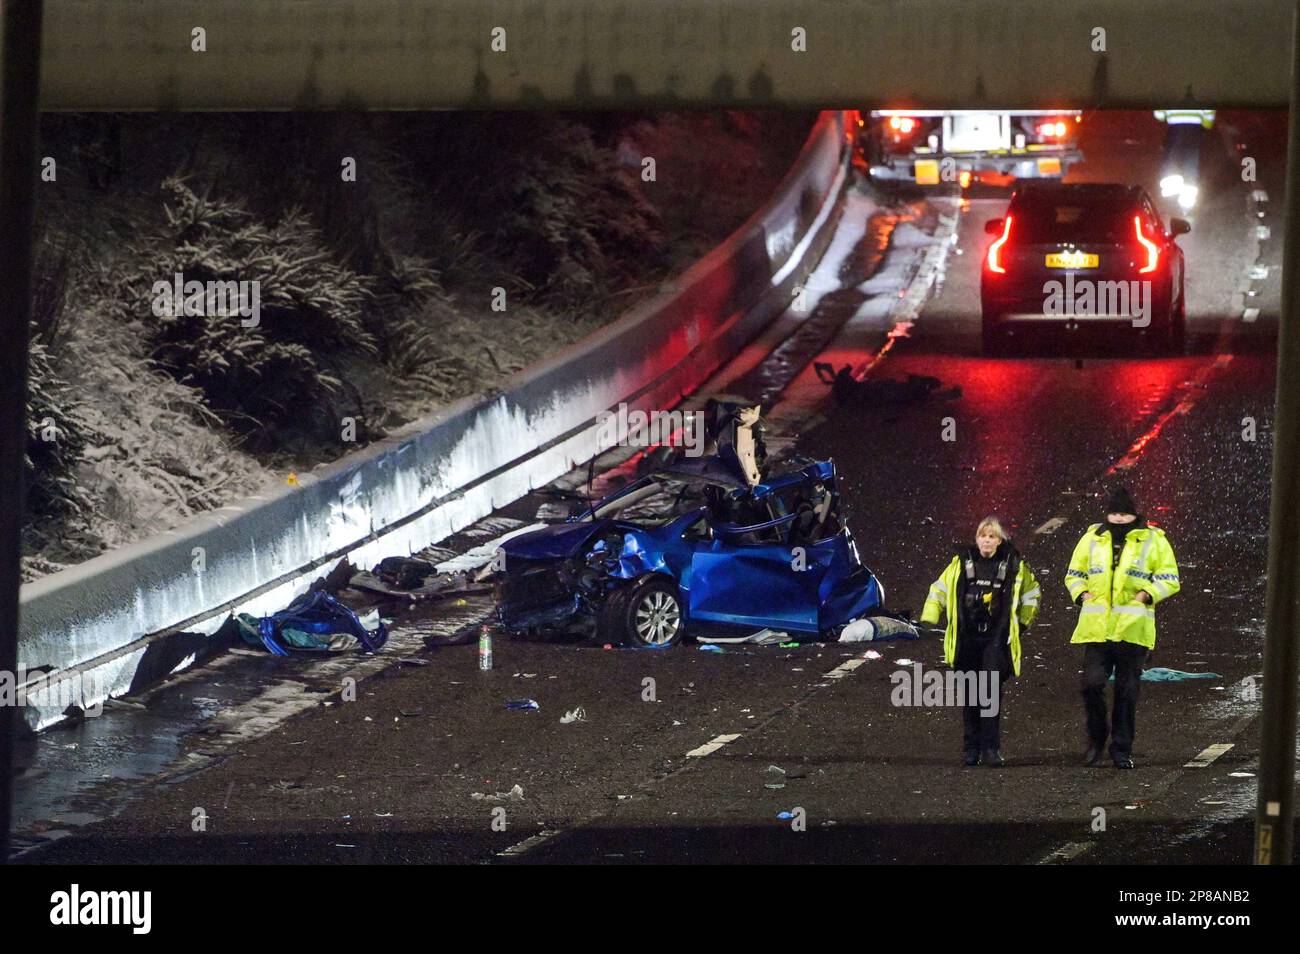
(311, 623)
(693, 547)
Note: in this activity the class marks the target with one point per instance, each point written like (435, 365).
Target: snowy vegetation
(376, 293)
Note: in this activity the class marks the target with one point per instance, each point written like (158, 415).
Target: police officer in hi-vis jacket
(1120, 570)
(990, 596)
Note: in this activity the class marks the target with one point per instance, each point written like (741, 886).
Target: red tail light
(1152, 249)
(902, 124)
(995, 250)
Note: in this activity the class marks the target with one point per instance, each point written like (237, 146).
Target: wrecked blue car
(693, 548)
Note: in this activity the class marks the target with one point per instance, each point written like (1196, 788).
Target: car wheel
(651, 614)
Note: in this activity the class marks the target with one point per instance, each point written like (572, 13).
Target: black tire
(1177, 336)
(609, 618)
(649, 615)
(1166, 335)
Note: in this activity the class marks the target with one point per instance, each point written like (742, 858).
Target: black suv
(1083, 255)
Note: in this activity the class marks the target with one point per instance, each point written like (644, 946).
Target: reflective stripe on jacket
(1025, 593)
(1179, 117)
(1115, 613)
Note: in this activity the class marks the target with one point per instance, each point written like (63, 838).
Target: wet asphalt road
(392, 776)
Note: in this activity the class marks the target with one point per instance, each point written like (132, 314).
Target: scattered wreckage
(706, 545)
(721, 547)
(314, 622)
(848, 388)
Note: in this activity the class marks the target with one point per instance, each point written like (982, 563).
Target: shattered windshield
(658, 502)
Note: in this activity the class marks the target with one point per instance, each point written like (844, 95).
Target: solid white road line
(1209, 755)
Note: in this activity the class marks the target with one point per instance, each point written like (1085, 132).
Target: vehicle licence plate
(1072, 260)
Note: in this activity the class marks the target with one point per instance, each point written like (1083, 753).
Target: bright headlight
(1171, 186)
(1187, 197)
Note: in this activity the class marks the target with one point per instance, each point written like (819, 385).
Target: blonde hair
(991, 523)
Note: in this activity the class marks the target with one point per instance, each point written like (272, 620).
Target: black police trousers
(985, 655)
(1100, 661)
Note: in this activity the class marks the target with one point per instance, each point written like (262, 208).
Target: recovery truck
(929, 146)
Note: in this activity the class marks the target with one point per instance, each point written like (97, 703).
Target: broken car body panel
(774, 555)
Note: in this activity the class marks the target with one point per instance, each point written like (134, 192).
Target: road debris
(314, 622)
(1160, 674)
(516, 794)
(846, 388)
(877, 628)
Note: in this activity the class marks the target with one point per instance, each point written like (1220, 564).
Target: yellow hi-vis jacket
(1115, 613)
(1025, 592)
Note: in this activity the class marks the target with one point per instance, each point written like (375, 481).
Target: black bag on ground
(404, 573)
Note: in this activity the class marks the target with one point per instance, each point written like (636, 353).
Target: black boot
(1092, 758)
(992, 758)
(1123, 761)
(970, 757)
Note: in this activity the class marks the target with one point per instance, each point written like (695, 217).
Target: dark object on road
(434, 588)
(461, 637)
(1083, 255)
(311, 623)
(693, 546)
(337, 579)
(404, 573)
(846, 389)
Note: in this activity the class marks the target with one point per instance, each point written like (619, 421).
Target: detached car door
(741, 579)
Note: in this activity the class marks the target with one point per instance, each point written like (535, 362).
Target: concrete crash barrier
(127, 618)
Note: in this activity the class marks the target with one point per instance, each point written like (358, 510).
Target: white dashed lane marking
(1066, 853)
(713, 746)
(839, 672)
(844, 668)
(527, 844)
(1209, 755)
